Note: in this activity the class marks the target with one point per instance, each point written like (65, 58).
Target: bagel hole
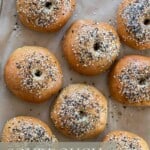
(142, 81)
(96, 46)
(147, 22)
(38, 73)
(48, 5)
(82, 113)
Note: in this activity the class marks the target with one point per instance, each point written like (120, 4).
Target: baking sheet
(14, 35)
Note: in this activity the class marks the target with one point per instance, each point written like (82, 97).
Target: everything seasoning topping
(24, 131)
(37, 72)
(135, 81)
(80, 112)
(93, 45)
(137, 16)
(42, 13)
(125, 143)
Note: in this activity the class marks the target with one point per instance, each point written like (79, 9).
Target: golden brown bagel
(33, 74)
(91, 47)
(129, 80)
(45, 15)
(27, 129)
(134, 23)
(126, 141)
(80, 112)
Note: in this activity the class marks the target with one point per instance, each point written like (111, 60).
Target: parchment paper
(13, 35)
